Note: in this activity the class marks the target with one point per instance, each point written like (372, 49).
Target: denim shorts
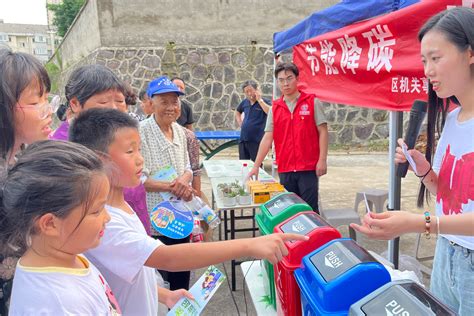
(452, 279)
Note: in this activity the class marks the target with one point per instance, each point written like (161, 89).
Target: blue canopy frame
(340, 15)
(344, 13)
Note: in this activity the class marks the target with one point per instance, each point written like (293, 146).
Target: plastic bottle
(203, 211)
(197, 234)
(245, 173)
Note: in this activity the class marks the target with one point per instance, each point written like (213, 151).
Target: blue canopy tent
(340, 15)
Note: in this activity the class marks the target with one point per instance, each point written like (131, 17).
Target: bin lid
(405, 299)
(339, 257)
(303, 224)
(308, 224)
(281, 202)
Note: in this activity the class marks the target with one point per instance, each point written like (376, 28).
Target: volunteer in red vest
(298, 127)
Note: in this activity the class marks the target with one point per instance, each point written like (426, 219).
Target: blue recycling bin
(403, 297)
(337, 275)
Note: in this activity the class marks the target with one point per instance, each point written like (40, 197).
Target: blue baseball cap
(162, 85)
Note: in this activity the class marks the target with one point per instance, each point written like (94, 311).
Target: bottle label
(207, 214)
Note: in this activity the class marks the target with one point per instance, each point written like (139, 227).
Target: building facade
(37, 40)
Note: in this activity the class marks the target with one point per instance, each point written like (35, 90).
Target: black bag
(5, 292)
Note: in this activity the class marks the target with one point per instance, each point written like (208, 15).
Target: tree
(65, 13)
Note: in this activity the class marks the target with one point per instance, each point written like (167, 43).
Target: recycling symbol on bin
(298, 227)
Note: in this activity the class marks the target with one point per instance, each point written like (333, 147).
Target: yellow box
(260, 196)
(275, 186)
(251, 184)
(261, 192)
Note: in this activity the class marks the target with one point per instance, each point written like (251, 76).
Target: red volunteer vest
(295, 136)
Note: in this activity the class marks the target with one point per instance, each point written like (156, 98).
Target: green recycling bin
(272, 213)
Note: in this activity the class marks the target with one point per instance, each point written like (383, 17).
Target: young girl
(52, 209)
(25, 117)
(25, 114)
(447, 50)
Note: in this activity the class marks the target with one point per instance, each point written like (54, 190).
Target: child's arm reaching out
(189, 256)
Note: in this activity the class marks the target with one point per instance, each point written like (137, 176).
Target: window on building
(41, 51)
(40, 39)
(4, 38)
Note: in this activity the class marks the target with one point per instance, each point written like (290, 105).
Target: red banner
(374, 63)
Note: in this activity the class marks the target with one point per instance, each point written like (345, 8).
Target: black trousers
(248, 150)
(177, 280)
(303, 183)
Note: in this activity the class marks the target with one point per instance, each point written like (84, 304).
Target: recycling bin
(336, 275)
(272, 213)
(403, 298)
(319, 233)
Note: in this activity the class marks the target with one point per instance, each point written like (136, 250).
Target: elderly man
(254, 109)
(297, 125)
(164, 144)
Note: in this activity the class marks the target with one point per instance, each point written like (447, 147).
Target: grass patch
(53, 72)
(380, 145)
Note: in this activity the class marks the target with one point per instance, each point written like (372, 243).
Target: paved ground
(348, 173)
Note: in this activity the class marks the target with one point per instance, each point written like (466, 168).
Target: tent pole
(394, 194)
(276, 92)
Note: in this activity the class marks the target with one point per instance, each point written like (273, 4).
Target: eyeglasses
(45, 108)
(286, 80)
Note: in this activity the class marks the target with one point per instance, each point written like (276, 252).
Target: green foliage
(53, 72)
(230, 194)
(379, 145)
(266, 300)
(242, 192)
(65, 13)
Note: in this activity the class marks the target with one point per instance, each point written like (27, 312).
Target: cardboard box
(262, 192)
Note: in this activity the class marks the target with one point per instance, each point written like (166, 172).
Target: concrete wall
(81, 39)
(153, 23)
(203, 22)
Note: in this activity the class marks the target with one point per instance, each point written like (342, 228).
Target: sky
(23, 11)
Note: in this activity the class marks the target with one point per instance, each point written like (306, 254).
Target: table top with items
(226, 178)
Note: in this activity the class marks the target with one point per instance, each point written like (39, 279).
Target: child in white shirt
(52, 210)
(127, 256)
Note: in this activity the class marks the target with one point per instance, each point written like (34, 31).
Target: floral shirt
(158, 153)
(7, 264)
(193, 150)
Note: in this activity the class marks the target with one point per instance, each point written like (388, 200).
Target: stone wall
(213, 45)
(214, 77)
(349, 125)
